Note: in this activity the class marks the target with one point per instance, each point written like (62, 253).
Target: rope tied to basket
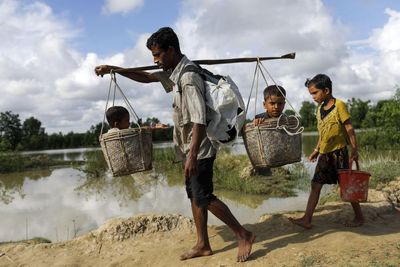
(289, 123)
(113, 81)
(276, 141)
(280, 125)
(128, 150)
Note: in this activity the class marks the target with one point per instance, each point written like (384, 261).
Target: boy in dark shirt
(274, 103)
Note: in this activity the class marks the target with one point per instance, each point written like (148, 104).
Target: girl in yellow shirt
(335, 131)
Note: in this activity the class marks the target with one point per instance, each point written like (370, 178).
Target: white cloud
(121, 6)
(383, 38)
(370, 72)
(42, 75)
(212, 29)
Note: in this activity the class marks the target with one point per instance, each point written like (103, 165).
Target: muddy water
(63, 202)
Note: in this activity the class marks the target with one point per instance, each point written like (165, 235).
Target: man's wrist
(316, 150)
(192, 155)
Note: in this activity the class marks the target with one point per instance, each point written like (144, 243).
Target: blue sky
(362, 16)
(106, 33)
(50, 47)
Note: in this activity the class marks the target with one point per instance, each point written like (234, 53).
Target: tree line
(382, 119)
(30, 135)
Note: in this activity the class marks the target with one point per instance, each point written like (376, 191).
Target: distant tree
(55, 140)
(91, 137)
(96, 129)
(10, 130)
(289, 112)
(358, 111)
(33, 135)
(389, 115)
(32, 126)
(384, 117)
(307, 113)
(4, 145)
(151, 121)
(140, 122)
(73, 140)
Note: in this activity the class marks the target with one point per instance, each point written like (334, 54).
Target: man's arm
(198, 133)
(139, 76)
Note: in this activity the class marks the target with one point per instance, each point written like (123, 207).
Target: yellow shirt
(332, 134)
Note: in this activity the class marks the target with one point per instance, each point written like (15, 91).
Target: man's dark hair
(274, 90)
(320, 81)
(164, 38)
(115, 114)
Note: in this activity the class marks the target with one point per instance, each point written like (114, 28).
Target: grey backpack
(226, 111)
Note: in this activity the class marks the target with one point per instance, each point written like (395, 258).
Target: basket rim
(124, 132)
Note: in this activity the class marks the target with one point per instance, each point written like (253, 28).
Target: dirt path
(158, 240)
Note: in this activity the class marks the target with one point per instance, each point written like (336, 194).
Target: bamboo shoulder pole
(212, 62)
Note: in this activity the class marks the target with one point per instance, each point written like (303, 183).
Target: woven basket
(268, 146)
(127, 151)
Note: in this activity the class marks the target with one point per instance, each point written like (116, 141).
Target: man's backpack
(226, 112)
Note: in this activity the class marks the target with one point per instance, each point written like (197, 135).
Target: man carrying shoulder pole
(190, 139)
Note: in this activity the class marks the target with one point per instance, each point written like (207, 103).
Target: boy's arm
(314, 155)
(353, 140)
(139, 76)
(258, 121)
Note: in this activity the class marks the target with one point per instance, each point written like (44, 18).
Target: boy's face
(318, 95)
(162, 58)
(274, 105)
(124, 123)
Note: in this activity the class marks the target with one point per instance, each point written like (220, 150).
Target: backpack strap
(205, 74)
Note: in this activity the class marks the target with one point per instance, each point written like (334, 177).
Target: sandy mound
(159, 239)
(143, 224)
(392, 192)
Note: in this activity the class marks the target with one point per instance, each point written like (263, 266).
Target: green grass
(95, 164)
(16, 162)
(229, 175)
(383, 167)
(165, 162)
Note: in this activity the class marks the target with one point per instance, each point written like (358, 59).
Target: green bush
(381, 139)
(14, 162)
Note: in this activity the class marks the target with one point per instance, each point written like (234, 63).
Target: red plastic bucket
(353, 184)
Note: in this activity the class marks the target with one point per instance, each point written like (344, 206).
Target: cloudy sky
(49, 48)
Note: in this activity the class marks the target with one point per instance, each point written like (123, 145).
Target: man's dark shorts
(200, 187)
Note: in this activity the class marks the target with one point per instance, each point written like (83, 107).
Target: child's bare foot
(196, 252)
(245, 245)
(300, 222)
(354, 223)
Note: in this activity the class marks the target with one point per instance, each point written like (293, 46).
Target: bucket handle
(351, 165)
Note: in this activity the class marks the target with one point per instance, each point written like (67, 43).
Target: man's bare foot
(300, 222)
(354, 223)
(245, 245)
(196, 252)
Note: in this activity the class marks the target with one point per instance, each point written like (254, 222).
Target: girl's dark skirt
(328, 164)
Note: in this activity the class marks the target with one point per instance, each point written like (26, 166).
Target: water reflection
(61, 203)
(11, 185)
(63, 154)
